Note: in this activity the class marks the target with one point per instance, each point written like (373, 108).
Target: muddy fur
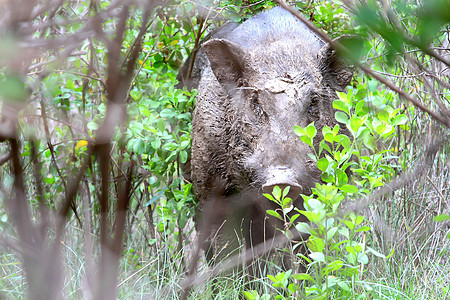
(256, 82)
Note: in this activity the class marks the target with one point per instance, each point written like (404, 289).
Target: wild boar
(255, 82)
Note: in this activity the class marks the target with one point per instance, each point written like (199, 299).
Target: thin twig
(5, 158)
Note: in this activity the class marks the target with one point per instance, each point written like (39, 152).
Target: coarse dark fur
(256, 81)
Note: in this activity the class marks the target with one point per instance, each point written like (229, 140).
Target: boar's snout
(282, 177)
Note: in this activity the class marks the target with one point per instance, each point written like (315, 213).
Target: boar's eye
(313, 109)
(256, 106)
(254, 101)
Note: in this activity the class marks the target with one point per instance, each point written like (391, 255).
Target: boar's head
(264, 92)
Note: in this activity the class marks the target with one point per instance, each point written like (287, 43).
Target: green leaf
(326, 130)
(333, 266)
(324, 145)
(355, 124)
(161, 125)
(269, 196)
(430, 26)
(274, 214)
(277, 192)
(322, 164)
(360, 108)
(354, 46)
(185, 144)
(343, 286)
(351, 258)
(344, 141)
(363, 228)
(49, 180)
(294, 217)
(312, 217)
(12, 88)
(300, 131)
(336, 129)
(311, 131)
(250, 295)
(183, 156)
(342, 178)
(182, 219)
(303, 276)
(341, 105)
(347, 188)
(170, 147)
(349, 224)
(400, 120)
(391, 253)
(341, 117)
(305, 139)
(441, 218)
(331, 232)
(363, 258)
(329, 137)
(359, 220)
(271, 277)
(315, 244)
(156, 143)
(92, 125)
(344, 232)
(168, 113)
(376, 253)
(383, 116)
(388, 131)
(328, 178)
(139, 147)
(4, 218)
(315, 204)
(380, 129)
(369, 142)
(286, 191)
(155, 198)
(317, 256)
(303, 227)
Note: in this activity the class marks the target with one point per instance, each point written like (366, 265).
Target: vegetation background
(93, 131)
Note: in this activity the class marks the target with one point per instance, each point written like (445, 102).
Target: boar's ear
(336, 70)
(227, 60)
